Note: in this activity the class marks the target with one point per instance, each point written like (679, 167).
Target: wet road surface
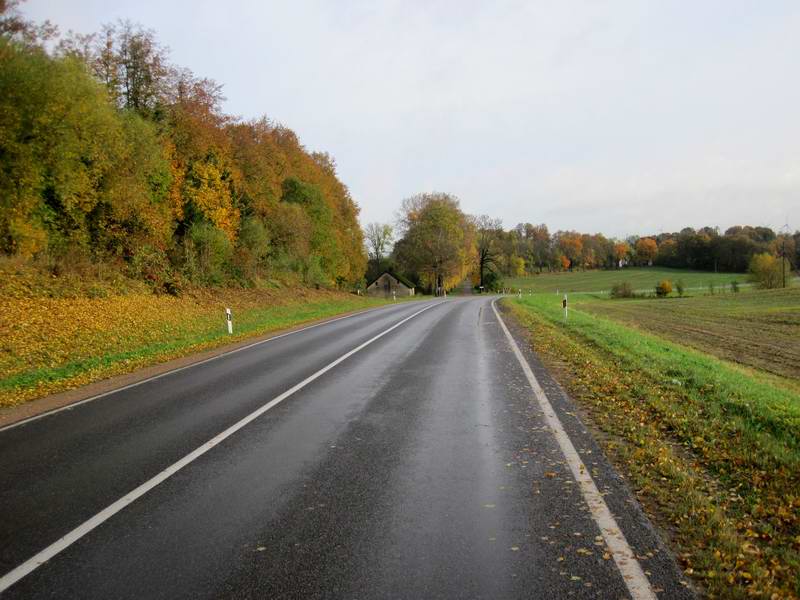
(419, 466)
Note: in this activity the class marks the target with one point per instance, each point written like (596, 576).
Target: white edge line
(183, 368)
(73, 536)
(625, 559)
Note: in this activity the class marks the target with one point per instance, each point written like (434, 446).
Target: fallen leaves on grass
(52, 344)
(726, 488)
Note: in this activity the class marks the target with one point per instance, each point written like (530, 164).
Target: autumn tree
(538, 245)
(596, 252)
(438, 240)
(570, 244)
(646, 251)
(766, 270)
(489, 231)
(324, 246)
(79, 175)
(621, 252)
(14, 27)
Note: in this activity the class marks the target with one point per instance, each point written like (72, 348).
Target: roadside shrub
(622, 290)
(664, 288)
(680, 287)
(735, 286)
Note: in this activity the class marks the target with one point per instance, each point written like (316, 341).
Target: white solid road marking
(624, 557)
(179, 369)
(73, 536)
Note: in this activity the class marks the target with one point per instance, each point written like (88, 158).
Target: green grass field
(641, 278)
(712, 448)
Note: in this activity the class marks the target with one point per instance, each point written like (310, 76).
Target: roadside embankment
(49, 345)
(712, 451)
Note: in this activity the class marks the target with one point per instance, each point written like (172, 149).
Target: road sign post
(229, 319)
(566, 309)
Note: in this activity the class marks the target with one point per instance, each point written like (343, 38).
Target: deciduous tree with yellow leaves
(438, 241)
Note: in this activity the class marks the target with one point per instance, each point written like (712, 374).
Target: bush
(212, 250)
(735, 287)
(313, 273)
(252, 248)
(151, 265)
(622, 290)
(492, 282)
(766, 271)
(664, 288)
(680, 287)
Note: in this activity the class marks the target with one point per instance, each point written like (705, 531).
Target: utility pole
(783, 261)
(785, 231)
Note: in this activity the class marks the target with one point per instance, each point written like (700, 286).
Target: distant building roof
(399, 278)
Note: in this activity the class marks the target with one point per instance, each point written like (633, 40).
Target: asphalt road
(419, 466)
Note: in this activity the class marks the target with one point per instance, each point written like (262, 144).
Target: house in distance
(388, 283)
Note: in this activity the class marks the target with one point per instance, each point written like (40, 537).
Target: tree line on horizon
(110, 154)
(440, 246)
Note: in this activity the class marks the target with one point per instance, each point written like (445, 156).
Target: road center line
(73, 536)
(624, 557)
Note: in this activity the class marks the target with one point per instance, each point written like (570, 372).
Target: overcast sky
(601, 116)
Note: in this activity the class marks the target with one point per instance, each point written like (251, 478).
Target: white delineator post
(566, 310)
(229, 318)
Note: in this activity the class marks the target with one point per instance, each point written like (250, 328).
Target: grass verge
(54, 344)
(713, 454)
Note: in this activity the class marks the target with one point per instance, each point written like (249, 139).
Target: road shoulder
(647, 542)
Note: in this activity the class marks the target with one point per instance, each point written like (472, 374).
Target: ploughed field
(759, 329)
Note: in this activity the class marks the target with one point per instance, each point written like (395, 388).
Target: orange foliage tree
(571, 245)
(621, 251)
(646, 251)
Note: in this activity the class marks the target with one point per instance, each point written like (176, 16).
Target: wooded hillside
(110, 154)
